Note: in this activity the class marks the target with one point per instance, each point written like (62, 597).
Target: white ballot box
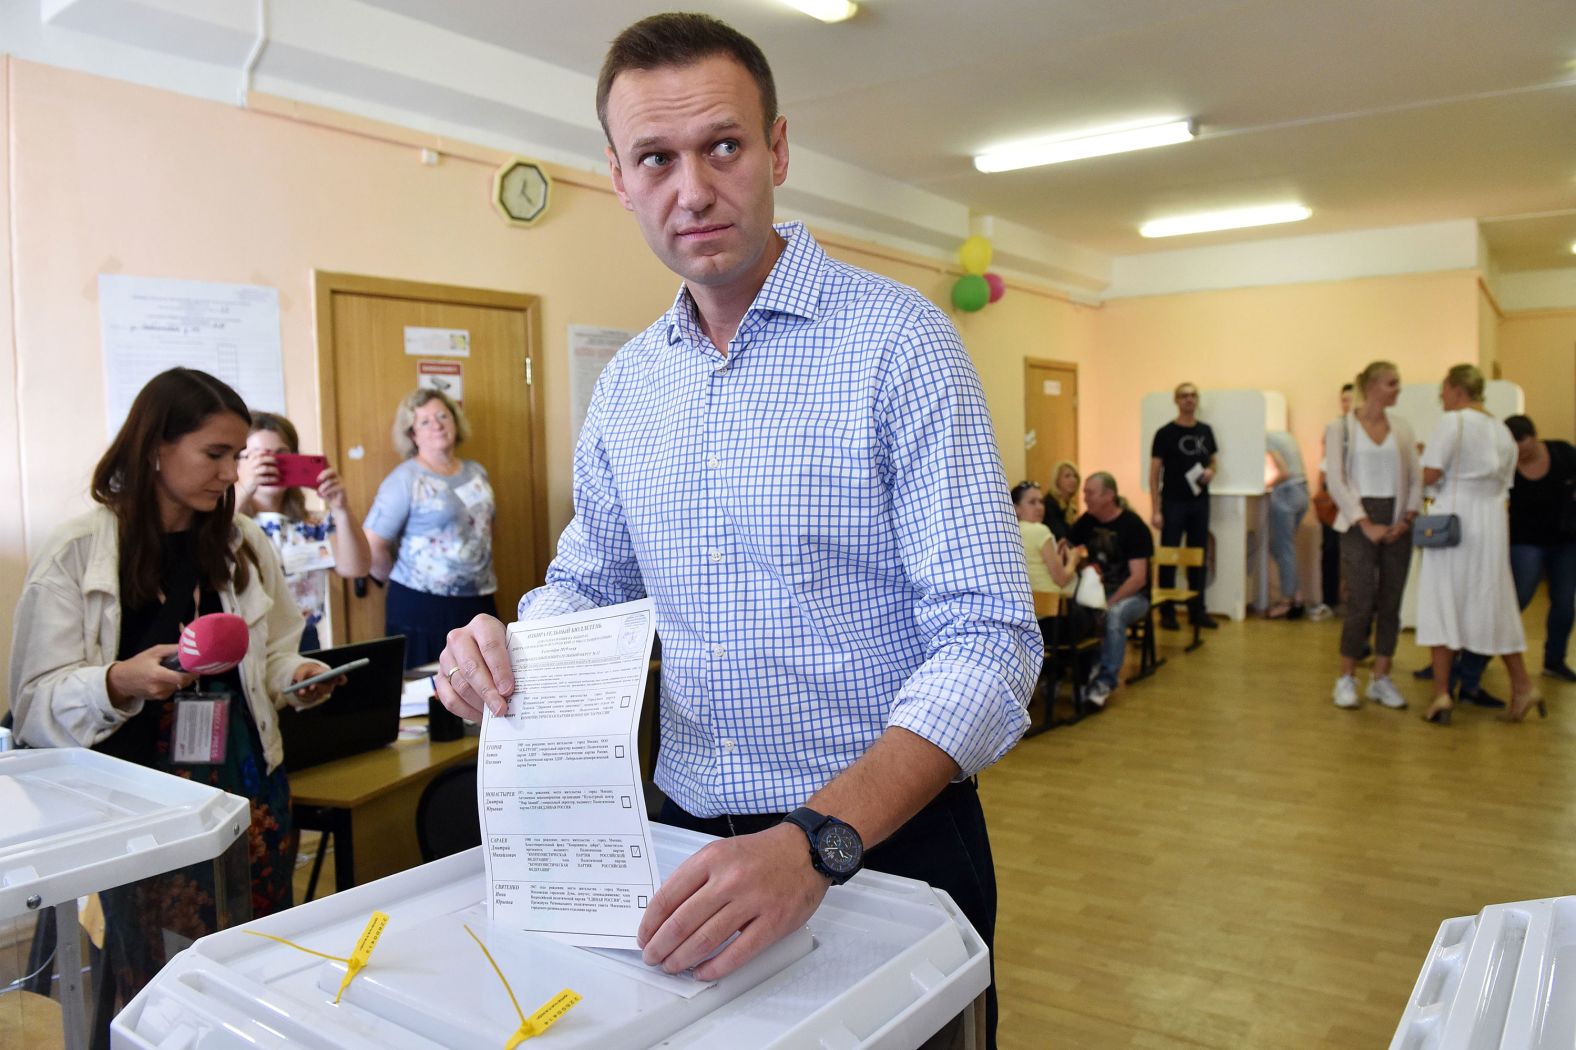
(1503, 978)
(884, 963)
(73, 822)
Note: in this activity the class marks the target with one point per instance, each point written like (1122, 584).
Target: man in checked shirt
(859, 645)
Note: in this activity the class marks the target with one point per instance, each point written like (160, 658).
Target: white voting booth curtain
(1419, 405)
(1240, 419)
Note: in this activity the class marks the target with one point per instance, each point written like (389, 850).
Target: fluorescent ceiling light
(1099, 144)
(1573, 247)
(1236, 219)
(825, 10)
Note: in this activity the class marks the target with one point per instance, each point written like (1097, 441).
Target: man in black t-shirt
(1117, 542)
(1181, 466)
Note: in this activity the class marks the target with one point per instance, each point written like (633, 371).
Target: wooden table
(367, 802)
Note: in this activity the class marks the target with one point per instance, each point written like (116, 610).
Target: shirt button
(719, 370)
(716, 555)
(713, 462)
(728, 745)
(717, 651)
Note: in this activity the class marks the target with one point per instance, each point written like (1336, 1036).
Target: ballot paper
(567, 842)
(1195, 472)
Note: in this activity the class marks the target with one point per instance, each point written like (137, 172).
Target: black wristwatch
(836, 850)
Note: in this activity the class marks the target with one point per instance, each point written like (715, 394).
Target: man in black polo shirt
(1181, 466)
(1117, 543)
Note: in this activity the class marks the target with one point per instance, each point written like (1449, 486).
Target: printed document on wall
(567, 841)
(149, 324)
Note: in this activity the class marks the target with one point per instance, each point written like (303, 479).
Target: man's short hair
(680, 39)
(1106, 480)
(1183, 386)
(1348, 388)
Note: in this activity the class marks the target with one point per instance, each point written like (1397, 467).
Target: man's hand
(1206, 475)
(760, 886)
(474, 669)
(1157, 520)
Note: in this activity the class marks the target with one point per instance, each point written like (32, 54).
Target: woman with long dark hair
(103, 605)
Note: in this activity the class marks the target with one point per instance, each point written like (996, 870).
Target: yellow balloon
(975, 255)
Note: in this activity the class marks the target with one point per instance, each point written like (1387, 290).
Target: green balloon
(971, 293)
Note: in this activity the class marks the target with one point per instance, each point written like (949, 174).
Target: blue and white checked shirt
(822, 522)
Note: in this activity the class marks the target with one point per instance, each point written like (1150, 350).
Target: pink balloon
(998, 287)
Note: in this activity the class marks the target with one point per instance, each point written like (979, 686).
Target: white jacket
(68, 632)
(1343, 489)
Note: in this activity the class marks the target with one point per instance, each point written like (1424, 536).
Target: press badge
(474, 492)
(304, 557)
(202, 728)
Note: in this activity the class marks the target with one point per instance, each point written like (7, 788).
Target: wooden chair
(1182, 559)
(1064, 658)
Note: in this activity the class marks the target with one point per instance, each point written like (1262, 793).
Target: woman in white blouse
(1372, 473)
(1466, 598)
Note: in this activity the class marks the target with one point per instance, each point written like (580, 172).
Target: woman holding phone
(308, 543)
(102, 607)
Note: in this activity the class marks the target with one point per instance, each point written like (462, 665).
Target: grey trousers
(1375, 577)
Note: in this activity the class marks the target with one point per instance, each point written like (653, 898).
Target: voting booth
(1503, 978)
(1419, 405)
(1237, 561)
(74, 822)
(884, 963)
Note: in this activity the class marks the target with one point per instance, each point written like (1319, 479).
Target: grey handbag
(1439, 530)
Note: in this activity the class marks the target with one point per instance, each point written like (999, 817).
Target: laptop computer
(361, 715)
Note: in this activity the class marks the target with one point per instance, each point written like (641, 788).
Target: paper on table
(415, 695)
(1193, 474)
(567, 842)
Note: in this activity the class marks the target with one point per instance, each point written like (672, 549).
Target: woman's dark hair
(1021, 488)
(679, 39)
(1521, 428)
(170, 406)
(293, 505)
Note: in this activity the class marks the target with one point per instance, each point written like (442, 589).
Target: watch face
(840, 848)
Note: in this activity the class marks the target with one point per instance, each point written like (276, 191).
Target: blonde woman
(1372, 473)
(1466, 596)
(1061, 505)
(430, 528)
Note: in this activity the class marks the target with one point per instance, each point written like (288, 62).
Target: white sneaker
(1320, 612)
(1346, 692)
(1097, 693)
(1383, 691)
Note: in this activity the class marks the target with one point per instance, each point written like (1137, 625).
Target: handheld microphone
(211, 644)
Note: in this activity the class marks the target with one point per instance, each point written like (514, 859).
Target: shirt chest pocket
(821, 479)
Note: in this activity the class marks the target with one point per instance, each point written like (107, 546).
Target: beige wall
(109, 177)
(13, 558)
(1538, 350)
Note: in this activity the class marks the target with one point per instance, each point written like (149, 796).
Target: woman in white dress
(1466, 597)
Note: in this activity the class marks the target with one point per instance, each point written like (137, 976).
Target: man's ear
(616, 173)
(778, 140)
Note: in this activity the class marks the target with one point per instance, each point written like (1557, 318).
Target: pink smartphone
(298, 470)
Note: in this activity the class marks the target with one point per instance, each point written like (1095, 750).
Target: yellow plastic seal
(545, 1016)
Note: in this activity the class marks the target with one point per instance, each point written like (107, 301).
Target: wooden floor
(1225, 859)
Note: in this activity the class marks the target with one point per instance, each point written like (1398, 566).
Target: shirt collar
(793, 287)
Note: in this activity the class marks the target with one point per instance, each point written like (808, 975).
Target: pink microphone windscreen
(213, 644)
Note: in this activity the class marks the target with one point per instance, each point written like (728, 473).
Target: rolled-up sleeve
(962, 551)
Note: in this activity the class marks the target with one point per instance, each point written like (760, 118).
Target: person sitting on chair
(1119, 546)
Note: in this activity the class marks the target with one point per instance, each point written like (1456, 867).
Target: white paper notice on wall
(1030, 439)
(590, 349)
(1053, 388)
(151, 324)
(445, 376)
(437, 342)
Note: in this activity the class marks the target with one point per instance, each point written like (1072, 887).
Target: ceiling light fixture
(825, 10)
(1099, 144)
(1236, 219)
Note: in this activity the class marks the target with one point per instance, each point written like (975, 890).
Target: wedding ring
(449, 674)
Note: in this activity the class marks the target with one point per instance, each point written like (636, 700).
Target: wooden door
(365, 370)
(1050, 418)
